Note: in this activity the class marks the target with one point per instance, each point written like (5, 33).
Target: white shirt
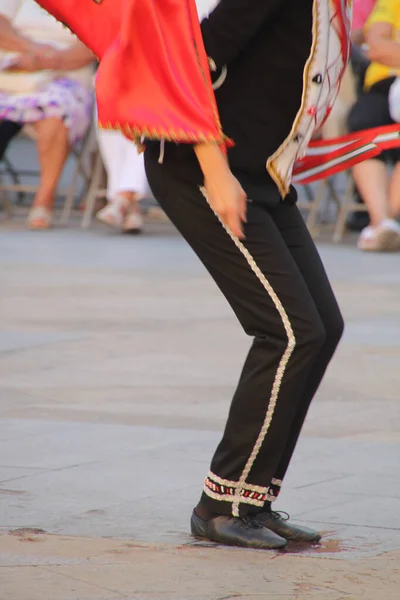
(204, 7)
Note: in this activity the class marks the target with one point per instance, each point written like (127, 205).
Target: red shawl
(153, 79)
(95, 22)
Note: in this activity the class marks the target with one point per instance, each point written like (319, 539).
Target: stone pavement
(117, 361)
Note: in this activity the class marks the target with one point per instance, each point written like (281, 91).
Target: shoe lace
(263, 517)
(280, 515)
(252, 522)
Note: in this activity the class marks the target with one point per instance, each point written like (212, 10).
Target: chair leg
(12, 173)
(315, 206)
(80, 171)
(92, 195)
(8, 208)
(344, 210)
(308, 192)
(333, 194)
(69, 199)
(70, 196)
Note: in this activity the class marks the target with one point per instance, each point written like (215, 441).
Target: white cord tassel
(221, 79)
(162, 152)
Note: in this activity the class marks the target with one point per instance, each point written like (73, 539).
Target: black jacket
(264, 46)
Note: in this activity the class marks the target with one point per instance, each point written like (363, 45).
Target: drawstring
(224, 72)
(221, 79)
(162, 151)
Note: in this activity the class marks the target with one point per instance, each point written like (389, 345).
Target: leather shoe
(278, 523)
(247, 532)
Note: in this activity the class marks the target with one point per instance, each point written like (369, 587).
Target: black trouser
(277, 286)
(8, 130)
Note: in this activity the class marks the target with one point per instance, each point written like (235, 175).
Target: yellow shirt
(385, 11)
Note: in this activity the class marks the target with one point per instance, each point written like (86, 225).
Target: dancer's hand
(224, 193)
(228, 201)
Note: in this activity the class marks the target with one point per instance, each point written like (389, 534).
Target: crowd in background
(376, 37)
(46, 88)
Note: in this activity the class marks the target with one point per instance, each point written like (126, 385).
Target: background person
(126, 181)
(49, 88)
(379, 188)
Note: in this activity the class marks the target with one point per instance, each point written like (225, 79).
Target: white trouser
(123, 163)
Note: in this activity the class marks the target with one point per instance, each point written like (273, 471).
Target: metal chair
(348, 205)
(83, 169)
(325, 190)
(16, 185)
(97, 189)
(8, 171)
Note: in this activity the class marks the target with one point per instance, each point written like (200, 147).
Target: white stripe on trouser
(281, 367)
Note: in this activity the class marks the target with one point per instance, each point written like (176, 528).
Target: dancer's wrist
(212, 161)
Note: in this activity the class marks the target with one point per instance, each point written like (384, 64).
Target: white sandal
(40, 218)
(385, 237)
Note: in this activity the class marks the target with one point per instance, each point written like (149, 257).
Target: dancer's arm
(232, 24)
(224, 192)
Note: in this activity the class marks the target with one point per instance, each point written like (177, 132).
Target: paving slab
(69, 568)
(118, 358)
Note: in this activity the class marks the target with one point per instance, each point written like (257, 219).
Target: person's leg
(132, 183)
(304, 252)
(8, 130)
(52, 146)
(372, 180)
(372, 176)
(267, 291)
(111, 151)
(133, 176)
(126, 181)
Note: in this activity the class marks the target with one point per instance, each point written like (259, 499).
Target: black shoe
(278, 523)
(246, 532)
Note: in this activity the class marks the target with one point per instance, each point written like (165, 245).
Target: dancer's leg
(302, 248)
(267, 291)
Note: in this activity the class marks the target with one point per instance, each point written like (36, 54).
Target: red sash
(95, 22)
(325, 158)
